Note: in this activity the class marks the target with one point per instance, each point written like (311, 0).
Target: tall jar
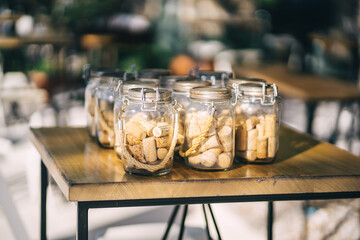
(258, 122)
(216, 78)
(93, 78)
(147, 129)
(209, 129)
(181, 93)
(104, 111)
(120, 93)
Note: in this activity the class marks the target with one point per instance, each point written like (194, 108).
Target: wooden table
(304, 86)
(94, 178)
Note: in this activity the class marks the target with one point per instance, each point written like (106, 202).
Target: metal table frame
(83, 207)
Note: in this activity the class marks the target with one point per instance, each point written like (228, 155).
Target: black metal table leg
(214, 221)
(310, 107)
(182, 228)
(171, 221)
(44, 185)
(270, 220)
(82, 221)
(206, 222)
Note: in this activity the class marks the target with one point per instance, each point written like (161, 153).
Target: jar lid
(210, 93)
(153, 73)
(256, 89)
(149, 95)
(242, 80)
(110, 72)
(127, 85)
(219, 75)
(186, 85)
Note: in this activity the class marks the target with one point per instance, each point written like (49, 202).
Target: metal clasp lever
(144, 100)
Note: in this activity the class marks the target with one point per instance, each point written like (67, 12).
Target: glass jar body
(257, 128)
(104, 117)
(215, 150)
(90, 100)
(144, 138)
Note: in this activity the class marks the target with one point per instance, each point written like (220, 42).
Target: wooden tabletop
(305, 86)
(86, 172)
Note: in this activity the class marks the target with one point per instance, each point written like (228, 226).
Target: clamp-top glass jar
(209, 129)
(147, 129)
(181, 93)
(258, 122)
(93, 78)
(216, 78)
(104, 111)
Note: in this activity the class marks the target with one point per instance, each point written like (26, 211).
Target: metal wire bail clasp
(237, 93)
(212, 109)
(144, 100)
(271, 96)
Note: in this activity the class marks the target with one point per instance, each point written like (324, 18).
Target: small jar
(104, 112)
(209, 129)
(147, 129)
(216, 78)
(93, 78)
(257, 122)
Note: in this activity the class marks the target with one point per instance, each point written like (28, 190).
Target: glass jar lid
(210, 93)
(219, 75)
(153, 73)
(257, 89)
(242, 80)
(149, 95)
(186, 85)
(127, 85)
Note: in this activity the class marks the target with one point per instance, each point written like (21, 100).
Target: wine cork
(217, 151)
(146, 125)
(248, 155)
(251, 140)
(261, 120)
(260, 129)
(136, 151)
(194, 159)
(91, 108)
(226, 138)
(271, 147)
(261, 147)
(224, 121)
(270, 125)
(208, 159)
(131, 140)
(241, 138)
(103, 137)
(161, 153)
(161, 142)
(194, 129)
(251, 122)
(238, 110)
(108, 115)
(211, 142)
(135, 130)
(224, 160)
(118, 151)
(181, 129)
(180, 139)
(160, 131)
(149, 149)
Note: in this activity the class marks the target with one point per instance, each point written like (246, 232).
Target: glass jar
(147, 132)
(209, 129)
(181, 93)
(93, 78)
(216, 78)
(120, 94)
(104, 111)
(257, 122)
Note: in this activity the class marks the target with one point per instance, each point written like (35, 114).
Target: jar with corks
(181, 93)
(209, 129)
(257, 122)
(122, 91)
(104, 112)
(94, 77)
(147, 130)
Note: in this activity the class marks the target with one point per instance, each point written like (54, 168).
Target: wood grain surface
(305, 86)
(86, 172)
